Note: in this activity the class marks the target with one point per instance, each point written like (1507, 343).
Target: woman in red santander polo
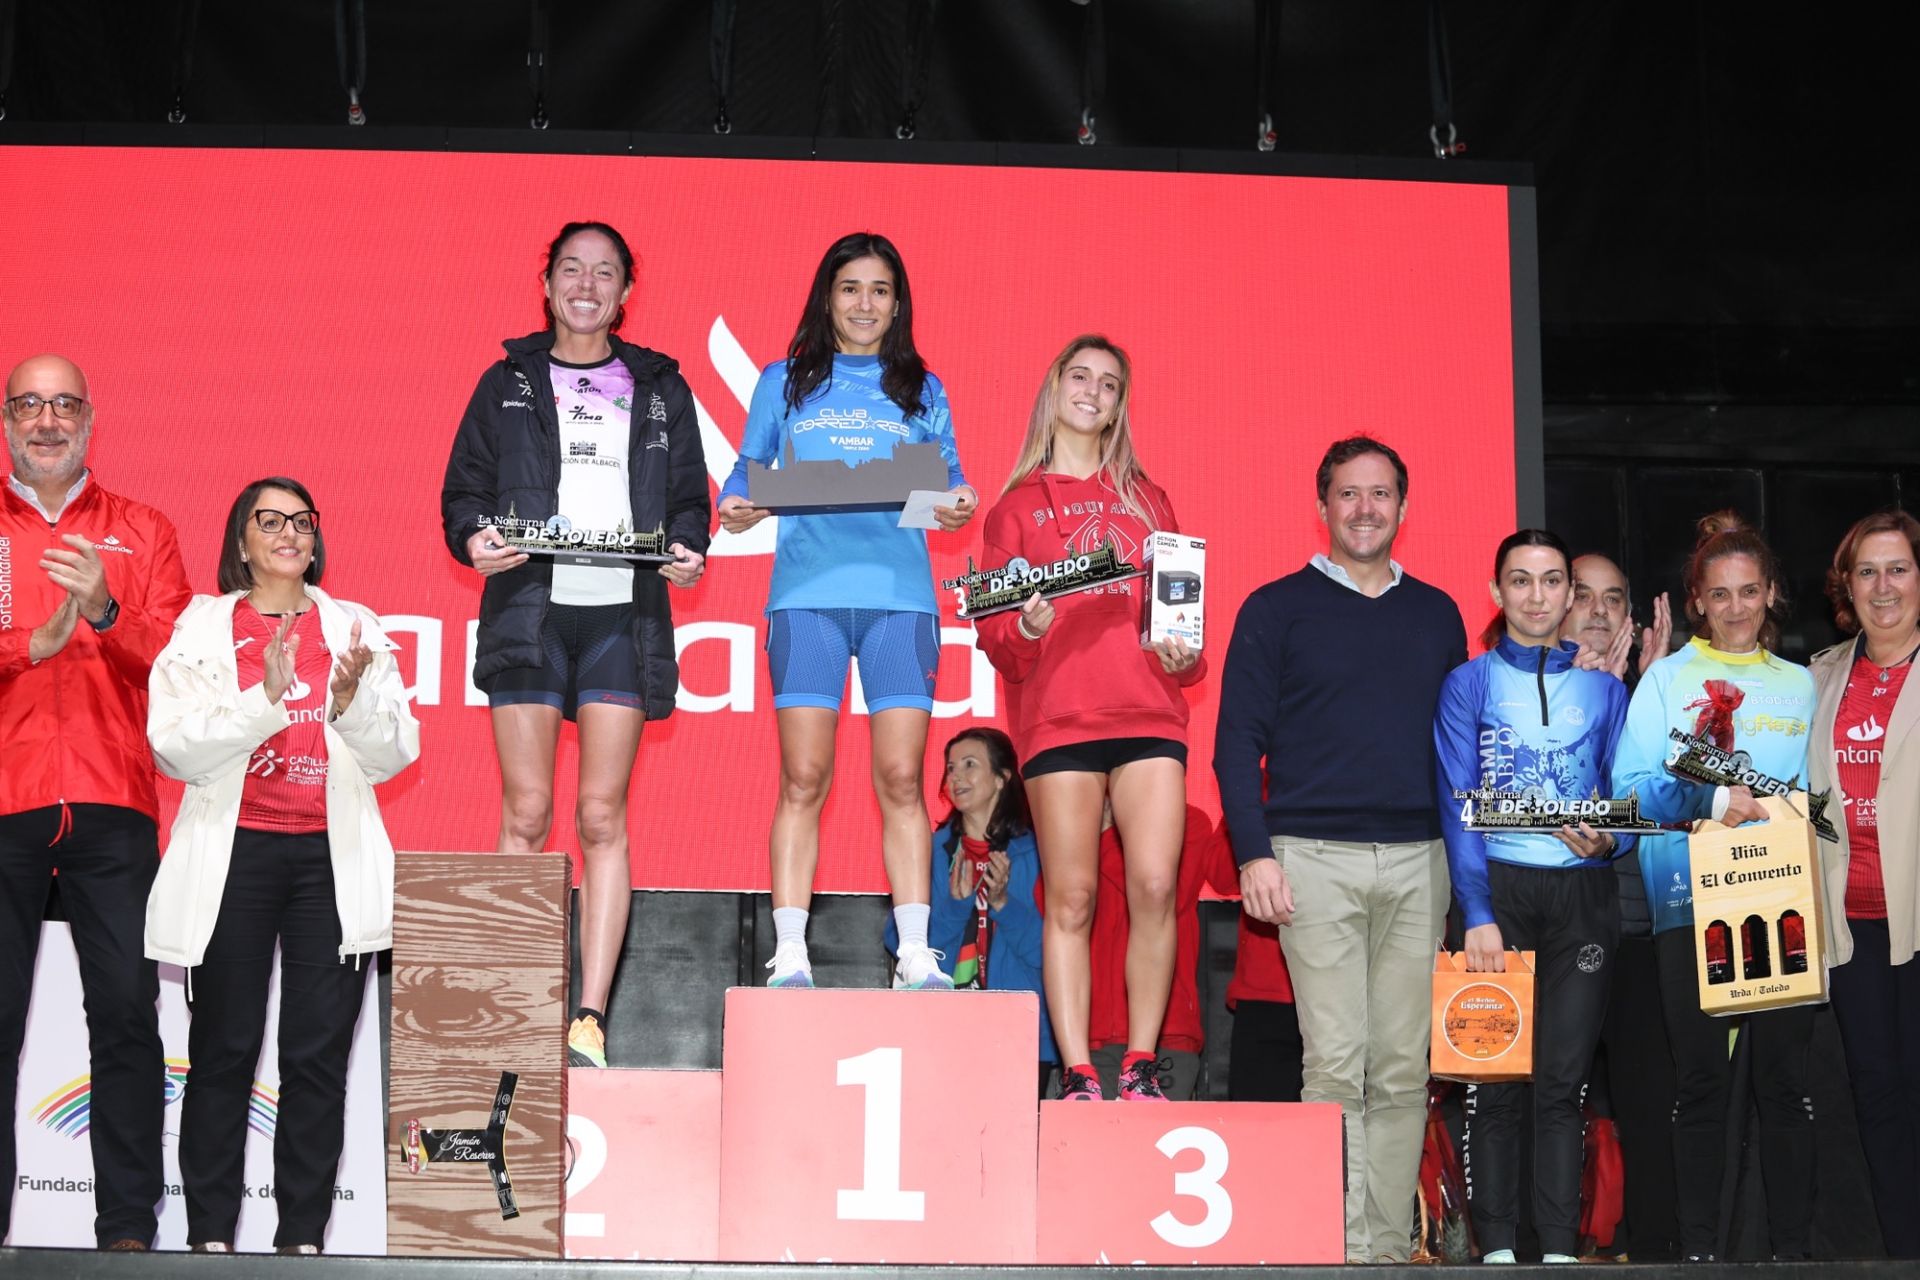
(1866, 749)
(1096, 717)
(280, 708)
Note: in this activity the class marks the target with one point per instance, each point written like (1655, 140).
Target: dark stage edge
(62, 1264)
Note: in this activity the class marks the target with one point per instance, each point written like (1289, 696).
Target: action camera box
(1176, 577)
(1757, 911)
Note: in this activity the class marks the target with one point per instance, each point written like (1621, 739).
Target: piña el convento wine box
(1757, 911)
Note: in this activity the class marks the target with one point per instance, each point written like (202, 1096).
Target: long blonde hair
(1118, 465)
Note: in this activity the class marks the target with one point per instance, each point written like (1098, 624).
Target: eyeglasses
(271, 521)
(28, 405)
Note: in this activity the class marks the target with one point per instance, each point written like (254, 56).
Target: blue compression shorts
(808, 652)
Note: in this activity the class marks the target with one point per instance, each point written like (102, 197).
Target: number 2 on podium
(878, 1198)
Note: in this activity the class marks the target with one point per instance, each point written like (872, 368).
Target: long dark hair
(620, 250)
(1727, 533)
(1010, 816)
(233, 573)
(903, 374)
(1508, 545)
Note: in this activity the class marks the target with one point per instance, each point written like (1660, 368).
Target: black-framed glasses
(28, 405)
(271, 521)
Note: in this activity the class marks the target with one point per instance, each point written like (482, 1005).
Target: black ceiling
(1726, 191)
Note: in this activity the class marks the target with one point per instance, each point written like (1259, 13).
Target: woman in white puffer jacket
(279, 707)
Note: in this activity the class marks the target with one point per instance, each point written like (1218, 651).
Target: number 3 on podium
(1203, 1184)
(879, 1198)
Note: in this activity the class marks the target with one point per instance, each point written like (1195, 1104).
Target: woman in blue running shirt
(1727, 687)
(1523, 718)
(850, 586)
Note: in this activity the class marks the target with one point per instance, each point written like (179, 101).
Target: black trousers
(279, 888)
(1780, 1040)
(1263, 1058)
(106, 856)
(1877, 1005)
(1570, 919)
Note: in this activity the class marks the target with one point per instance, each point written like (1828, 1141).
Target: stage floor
(63, 1264)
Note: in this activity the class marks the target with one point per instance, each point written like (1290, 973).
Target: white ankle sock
(911, 920)
(790, 925)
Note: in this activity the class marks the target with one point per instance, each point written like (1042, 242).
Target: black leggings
(1703, 1078)
(1877, 1004)
(1569, 917)
(279, 889)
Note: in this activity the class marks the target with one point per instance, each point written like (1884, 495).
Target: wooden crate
(479, 987)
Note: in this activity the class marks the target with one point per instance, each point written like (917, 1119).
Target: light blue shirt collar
(1339, 575)
(32, 499)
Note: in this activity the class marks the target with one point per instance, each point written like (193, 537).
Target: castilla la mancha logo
(68, 1110)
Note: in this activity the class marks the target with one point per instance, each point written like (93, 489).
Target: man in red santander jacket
(90, 584)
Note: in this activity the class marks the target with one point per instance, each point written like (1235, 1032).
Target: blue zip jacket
(1772, 709)
(1521, 718)
(1013, 960)
(854, 559)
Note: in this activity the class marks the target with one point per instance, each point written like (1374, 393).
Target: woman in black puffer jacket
(577, 427)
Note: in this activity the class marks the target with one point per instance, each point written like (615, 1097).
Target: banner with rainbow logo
(53, 1192)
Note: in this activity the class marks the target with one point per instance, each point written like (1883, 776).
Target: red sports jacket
(75, 726)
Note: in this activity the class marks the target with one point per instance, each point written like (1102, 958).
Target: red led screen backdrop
(326, 314)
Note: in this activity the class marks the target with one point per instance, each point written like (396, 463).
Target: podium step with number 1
(879, 1126)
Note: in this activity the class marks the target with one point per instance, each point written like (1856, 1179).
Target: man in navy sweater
(1331, 682)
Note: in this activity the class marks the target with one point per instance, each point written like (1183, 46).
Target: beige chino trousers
(1367, 919)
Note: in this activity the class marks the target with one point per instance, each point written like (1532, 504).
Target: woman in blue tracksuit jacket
(1728, 687)
(988, 827)
(1522, 718)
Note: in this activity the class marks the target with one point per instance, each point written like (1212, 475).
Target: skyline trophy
(984, 591)
(1694, 758)
(1488, 810)
(832, 486)
(558, 540)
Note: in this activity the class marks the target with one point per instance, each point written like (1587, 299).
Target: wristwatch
(108, 618)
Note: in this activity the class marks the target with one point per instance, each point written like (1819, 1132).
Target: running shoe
(586, 1043)
(790, 967)
(1141, 1081)
(1078, 1086)
(919, 970)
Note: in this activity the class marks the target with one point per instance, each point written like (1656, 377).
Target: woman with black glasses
(280, 708)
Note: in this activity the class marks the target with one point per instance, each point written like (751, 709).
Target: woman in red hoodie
(1095, 715)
